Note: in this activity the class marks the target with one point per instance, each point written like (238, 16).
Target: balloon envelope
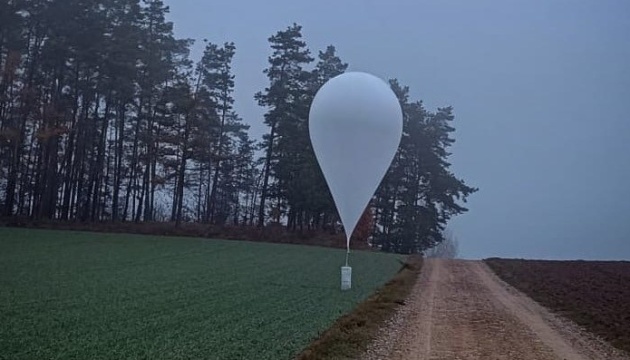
(355, 125)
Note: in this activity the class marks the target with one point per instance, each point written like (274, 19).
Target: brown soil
(593, 294)
(461, 310)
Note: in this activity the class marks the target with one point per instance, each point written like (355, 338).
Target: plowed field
(594, 294)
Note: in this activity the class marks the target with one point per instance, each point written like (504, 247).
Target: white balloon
(355, 125)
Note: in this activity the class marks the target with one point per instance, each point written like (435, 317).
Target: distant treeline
(105, 117)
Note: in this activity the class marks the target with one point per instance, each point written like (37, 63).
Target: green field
(73, 295)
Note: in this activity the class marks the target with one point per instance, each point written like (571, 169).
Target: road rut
(460, 310)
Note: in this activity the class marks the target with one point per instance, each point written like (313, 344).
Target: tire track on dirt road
(460, 310)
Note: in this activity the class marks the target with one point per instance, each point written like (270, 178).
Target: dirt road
(461, 310)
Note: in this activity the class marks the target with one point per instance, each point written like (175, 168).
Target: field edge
(350, 335)
(581, 317)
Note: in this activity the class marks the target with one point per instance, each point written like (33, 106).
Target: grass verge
(350, 335)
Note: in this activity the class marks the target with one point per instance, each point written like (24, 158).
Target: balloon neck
(347, 248)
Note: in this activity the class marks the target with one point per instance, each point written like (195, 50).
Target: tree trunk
(181, 177)
(97, 174)
(267, 170)
(133, 165)
(118, 161)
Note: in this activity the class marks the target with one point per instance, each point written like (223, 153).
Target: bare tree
(447, 249)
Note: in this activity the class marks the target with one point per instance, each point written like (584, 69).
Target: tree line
(104, 116)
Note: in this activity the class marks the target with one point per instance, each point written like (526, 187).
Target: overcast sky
(541, 92)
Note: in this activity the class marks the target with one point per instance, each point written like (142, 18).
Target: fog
(541, 92)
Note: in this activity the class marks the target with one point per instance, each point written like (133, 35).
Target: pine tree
(287, 80)
(317, 210)
(418, 195)
(163, 63)
(104, 116)
(13, 49)
(219, 81)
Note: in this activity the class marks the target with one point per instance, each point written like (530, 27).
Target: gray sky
(541, 91)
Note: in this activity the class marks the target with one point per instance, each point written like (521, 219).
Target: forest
(105, 117)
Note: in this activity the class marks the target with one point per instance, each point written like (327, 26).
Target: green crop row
(73, 295)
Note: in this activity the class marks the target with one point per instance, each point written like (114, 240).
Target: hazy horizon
(541, 93)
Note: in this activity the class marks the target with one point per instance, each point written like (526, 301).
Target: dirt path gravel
(461, 310)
